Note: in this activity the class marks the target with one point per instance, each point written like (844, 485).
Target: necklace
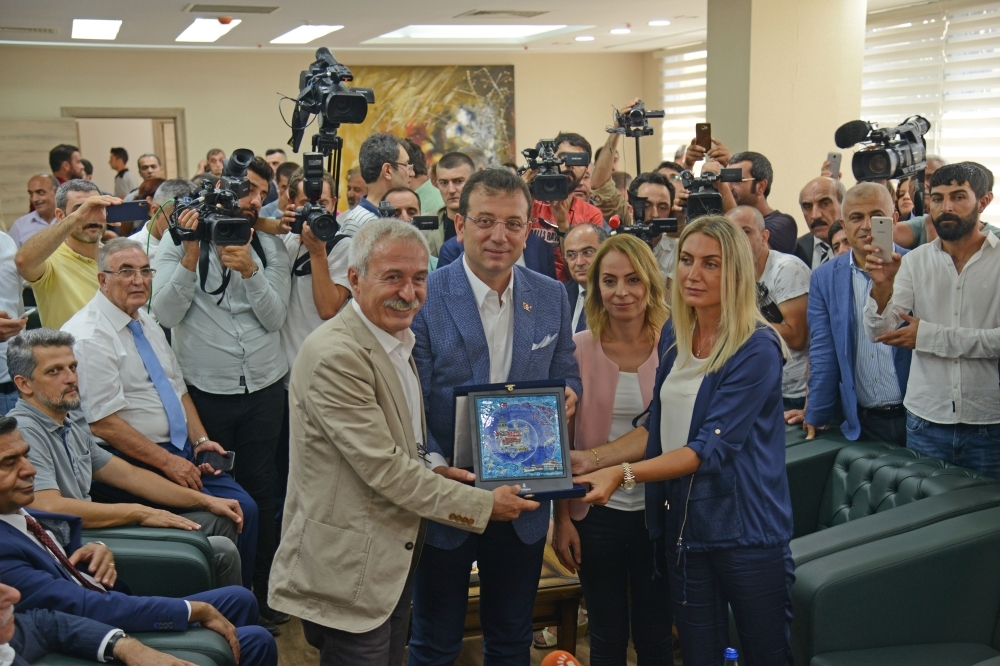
(698, 340)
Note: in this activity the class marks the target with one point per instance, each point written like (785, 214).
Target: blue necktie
(171, 405)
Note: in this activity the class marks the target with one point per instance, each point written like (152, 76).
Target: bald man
(820, 200)
(42, 194)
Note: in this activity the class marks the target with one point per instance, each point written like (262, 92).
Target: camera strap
(203, 266)
(302, 266)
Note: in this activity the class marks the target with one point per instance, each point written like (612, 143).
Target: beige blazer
(357, 489)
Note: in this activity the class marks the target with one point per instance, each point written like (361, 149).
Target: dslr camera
(647, 230)
(635, 122)
(421, 222)
(703, 199)
(322, 92)
(324, 225)
(550, 184)
(885, 156)
(220, 220)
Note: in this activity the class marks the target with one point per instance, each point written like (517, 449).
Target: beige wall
(230, 96)
(99, 135)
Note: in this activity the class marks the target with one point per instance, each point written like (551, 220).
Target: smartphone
(703, 135)
(28, 313)
(217, 460)
(130, 211)
(834, 159)
(882, 237)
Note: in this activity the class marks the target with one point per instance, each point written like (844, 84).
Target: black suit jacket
(573, 293)
(804, 249)
(38, 632)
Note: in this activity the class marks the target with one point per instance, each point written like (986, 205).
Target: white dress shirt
(666, 256)
(497, 316)
(581, 297)
(10, 293)
(953, 372)
(113, 379)
(822, 253)
(7, 652)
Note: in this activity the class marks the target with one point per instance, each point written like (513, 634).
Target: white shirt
(497, 316)
(628, 405)
(786, 277)
(399, 347)
(666, 256)
(581, 296)
(27, 226)
(303, 316)
(10, 293)
(822, 253)
(677, 397)
(113, 379)
(953, 371)
(350, 222)
(7, 652)
(148, 241)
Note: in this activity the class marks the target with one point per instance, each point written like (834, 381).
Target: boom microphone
(560, 658)
(851, 133)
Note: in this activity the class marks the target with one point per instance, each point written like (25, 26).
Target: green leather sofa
(203, 647)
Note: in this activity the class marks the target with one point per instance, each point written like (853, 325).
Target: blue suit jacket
(451, 351)
(832, 330)
(46, 585)
(538, 256)
(39, 632)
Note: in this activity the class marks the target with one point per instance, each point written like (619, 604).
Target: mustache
(402, 305)
(948, 217)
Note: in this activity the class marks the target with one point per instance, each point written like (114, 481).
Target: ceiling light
(620, 31)
(305, 34)
(658, 24)
(470, 31)
(585, 38)
(206, 30)
(95, 29)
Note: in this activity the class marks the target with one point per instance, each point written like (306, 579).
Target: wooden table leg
(568, 611)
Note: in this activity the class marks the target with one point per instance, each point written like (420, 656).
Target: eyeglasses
(586, 253)
(129, 273)
(512, 226)
(403, 165)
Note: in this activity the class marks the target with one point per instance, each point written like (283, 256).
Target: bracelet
(201, 440)
(597, 458)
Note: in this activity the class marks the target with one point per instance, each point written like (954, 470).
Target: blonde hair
(644, 264)
(738, 287)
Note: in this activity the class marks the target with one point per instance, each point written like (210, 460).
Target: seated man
(133, 393)
(41, 562)
(43, 367)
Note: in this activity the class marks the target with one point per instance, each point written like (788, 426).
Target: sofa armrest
(176, 564)
(937, 584)
(808, 468)
(204, 642)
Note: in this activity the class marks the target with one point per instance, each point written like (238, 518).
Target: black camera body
(886, 157)
(647, 230)
(323, 224)
(421, 222)
(703, 199)
(550, 184)
(220, 220)
(635, 122)
(322, 92)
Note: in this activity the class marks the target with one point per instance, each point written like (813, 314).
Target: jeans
(509, 570)
(793, 403)
(7, 402)
(755, 582)
(249, 424)
(969, 445)
(616, 574)
(886, 427)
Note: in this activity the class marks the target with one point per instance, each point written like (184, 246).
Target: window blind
(683, 95)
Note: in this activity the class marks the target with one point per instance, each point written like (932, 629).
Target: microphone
(614, 222)
(560, 658)
(851, 133)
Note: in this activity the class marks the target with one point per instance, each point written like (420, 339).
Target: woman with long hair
(714, 467)
(609, 545)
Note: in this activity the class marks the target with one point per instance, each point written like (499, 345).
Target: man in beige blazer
(359, 492)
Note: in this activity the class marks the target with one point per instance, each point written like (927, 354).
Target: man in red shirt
(552, 219)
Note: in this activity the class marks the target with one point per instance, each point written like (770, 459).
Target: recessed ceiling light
(620, 31)
(469, 31)
(305, 34)
(95, 29)
(206, 30)
(585, 38)
(658, 24)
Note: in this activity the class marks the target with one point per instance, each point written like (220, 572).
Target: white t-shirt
(666, 256)
(628, 405)
(677, 397)
(786, 277)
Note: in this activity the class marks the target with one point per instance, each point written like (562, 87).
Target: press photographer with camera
(656, 195)
(403, 203)
(226, 305)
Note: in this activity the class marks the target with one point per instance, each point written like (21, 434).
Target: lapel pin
(527, 307)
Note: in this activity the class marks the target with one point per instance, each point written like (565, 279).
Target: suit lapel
(464, 312)
(843, 288)
(525, 311)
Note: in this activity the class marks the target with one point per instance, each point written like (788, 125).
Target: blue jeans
(755, 582)
(239, 606)
(508, 579)
(968, 445)
(7, 402)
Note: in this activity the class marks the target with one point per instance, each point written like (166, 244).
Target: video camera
(322, 92)
(324, 225)
(646, 230)
(550, 184)
(635, 122)
(421, 222)
(220, 220)
(883, 157)
(703, 199)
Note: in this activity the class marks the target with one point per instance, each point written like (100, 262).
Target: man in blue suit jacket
(538, 255)
(869, 378)
(44, 582)
(486, 320)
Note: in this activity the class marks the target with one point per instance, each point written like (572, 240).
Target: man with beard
(949, 286)
(820, 200)
(226, 307)
(60, 261)
(66, 163)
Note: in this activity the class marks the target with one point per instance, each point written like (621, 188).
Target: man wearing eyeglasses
(133, 393)
(485, 320)
(579, 248)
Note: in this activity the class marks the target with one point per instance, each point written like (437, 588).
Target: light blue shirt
(271, 210)
(27, 226)
(875, 379)
(10, 293)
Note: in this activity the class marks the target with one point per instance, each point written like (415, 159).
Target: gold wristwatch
(628, 478)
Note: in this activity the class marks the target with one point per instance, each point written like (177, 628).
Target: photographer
(161, 206)
(405, 203)
(229, 348)
(282, 174)
(659, 195)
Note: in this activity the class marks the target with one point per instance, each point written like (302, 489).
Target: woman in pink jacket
(609, 545)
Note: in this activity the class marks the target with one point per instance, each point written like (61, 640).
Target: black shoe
(271, 615)
(271, 627)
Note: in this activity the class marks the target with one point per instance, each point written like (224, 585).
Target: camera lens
(879, 163)
(324, 226)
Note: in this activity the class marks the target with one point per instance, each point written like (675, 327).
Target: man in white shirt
(949, 285)
(42, 194)
(11, 322)
(161, 206)
(783, 298)
(579, 248)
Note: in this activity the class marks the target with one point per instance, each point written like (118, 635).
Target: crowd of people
(323, 373)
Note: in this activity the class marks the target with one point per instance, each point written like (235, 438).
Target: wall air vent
(501, 14)
(227, 10)
(29, 31)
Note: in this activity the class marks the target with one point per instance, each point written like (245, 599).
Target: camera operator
(161, 206)
(659, 195)
(672, 172)
(820, 200)
(282, 175)
(228, 346)
(453, 169)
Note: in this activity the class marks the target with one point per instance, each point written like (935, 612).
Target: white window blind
(940, 60)
(683, 95)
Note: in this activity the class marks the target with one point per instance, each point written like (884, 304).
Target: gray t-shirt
(65, 456)
(786, 277)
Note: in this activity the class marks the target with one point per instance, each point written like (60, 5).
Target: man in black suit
(579, 247)
(820, 201)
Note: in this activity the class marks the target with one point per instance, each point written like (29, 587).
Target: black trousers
(249, 424)
(889, 425)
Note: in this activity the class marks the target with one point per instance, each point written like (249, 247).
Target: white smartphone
(834, 159)
(28, 313)
(882, 237)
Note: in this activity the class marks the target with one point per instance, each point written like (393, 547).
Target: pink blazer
(600, 382)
